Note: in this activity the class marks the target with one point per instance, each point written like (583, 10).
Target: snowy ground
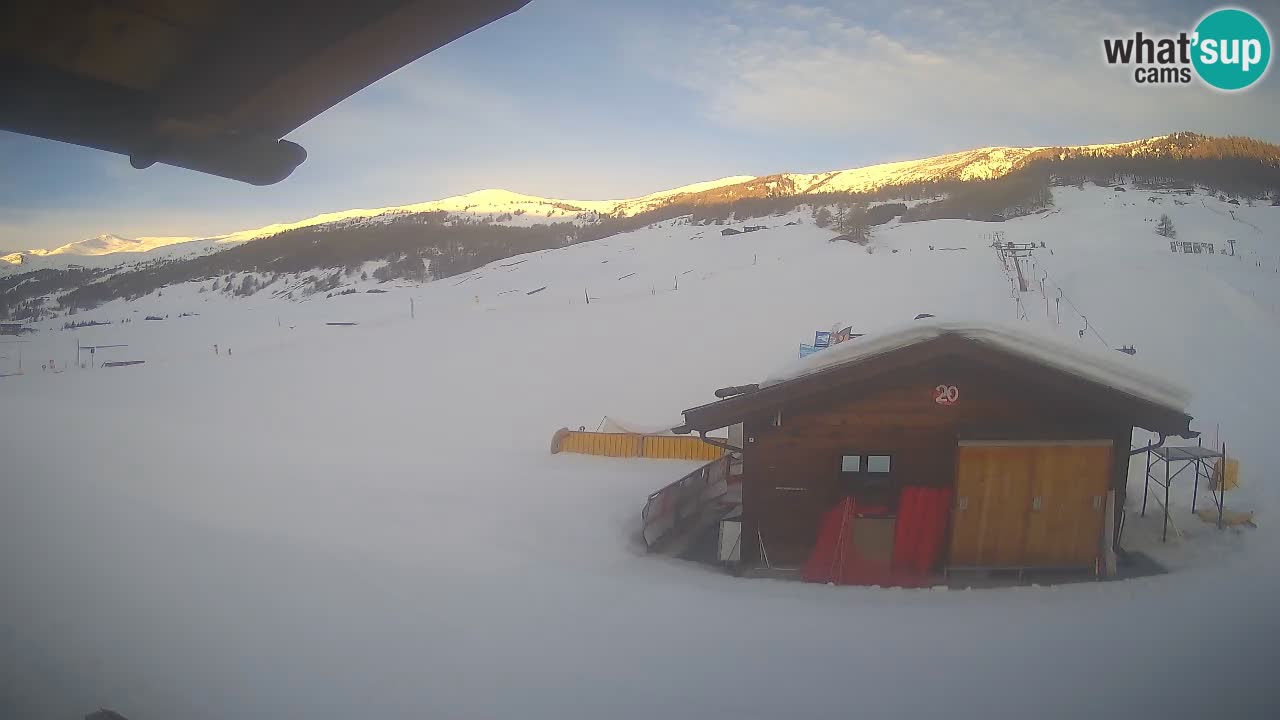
(364, 521)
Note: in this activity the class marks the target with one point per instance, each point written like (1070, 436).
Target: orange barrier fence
(665, 447)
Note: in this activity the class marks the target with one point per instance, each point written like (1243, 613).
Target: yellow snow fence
(627, 445)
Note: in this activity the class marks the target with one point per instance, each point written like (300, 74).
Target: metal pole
(1146, 483)
(1195, 492)
(1222, 503)
(1164, 537)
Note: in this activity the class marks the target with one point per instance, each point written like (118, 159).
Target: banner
(807, 350)
(821, 339)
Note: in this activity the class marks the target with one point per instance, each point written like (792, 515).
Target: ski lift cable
(1063, 294)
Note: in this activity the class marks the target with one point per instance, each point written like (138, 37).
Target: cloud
(965, 69)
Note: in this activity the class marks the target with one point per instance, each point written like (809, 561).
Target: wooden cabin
(1026, 438)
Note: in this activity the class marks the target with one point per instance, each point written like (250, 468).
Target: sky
(604, 99)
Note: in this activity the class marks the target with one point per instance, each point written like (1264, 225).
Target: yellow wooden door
(1024, 505)
(1068, 499)
(993, 491)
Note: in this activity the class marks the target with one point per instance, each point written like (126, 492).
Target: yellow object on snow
(1230, 518)
(1233, 474)
(664, 447)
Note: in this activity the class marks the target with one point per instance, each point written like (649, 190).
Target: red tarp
(825, 562)
(836, 558)
(921, 530)
(917, 544)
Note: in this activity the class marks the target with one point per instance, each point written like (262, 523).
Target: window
(875, 464)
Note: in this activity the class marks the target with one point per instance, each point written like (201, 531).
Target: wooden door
(993, 492)
(1065, 526)
(1027, 505)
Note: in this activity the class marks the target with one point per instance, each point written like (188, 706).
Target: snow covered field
(364, 521)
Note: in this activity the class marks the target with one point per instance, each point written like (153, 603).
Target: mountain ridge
(932, 177)
(983, 163)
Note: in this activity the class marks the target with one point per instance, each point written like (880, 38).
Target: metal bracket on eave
(1152, 446)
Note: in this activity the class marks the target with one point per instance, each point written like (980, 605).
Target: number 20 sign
(946, 394)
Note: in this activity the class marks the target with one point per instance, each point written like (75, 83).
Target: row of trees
(1014, 195)
(1237, 166)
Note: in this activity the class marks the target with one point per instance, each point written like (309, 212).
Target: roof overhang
(209, 85)
(770, 398)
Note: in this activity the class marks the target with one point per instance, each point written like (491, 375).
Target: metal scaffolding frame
(1191, 456)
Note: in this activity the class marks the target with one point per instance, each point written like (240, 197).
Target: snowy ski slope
(364, 521)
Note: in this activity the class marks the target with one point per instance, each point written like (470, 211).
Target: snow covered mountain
(512, 208)
(106, 244)
(981, 164)
(371, 511)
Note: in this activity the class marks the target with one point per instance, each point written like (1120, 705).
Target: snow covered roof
(1114, 370)
(1156, 403)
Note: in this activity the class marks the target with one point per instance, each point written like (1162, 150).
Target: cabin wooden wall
(791, 471)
